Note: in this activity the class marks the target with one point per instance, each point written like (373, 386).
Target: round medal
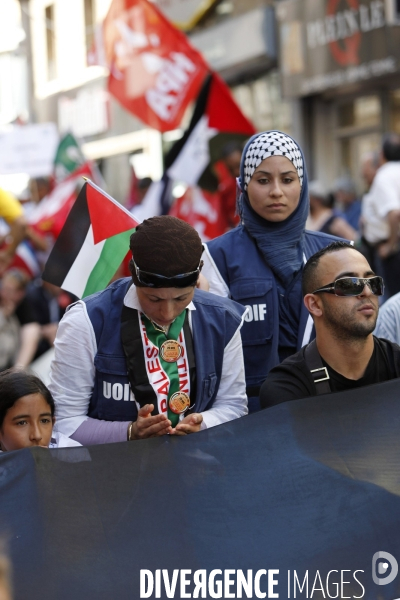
(171, 351)
(179, 403)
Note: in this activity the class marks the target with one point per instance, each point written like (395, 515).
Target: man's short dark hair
(310, 279)
(165, 245)
(391, 147)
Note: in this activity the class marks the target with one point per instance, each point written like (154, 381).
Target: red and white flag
(216, 120)
(154, 71)
(202, 210)
(216, 113)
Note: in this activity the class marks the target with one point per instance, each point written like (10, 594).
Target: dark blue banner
(299, 501)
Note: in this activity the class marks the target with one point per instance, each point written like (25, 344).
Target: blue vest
(252, 283)
(214, 323)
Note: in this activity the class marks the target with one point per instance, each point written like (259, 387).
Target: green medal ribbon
(158, 338)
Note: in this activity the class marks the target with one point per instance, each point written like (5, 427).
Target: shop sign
(326, 44)
(185, 14)
(238, 42)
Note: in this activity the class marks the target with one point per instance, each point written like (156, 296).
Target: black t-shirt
(291, 380)
(26, 312)
(39, 306)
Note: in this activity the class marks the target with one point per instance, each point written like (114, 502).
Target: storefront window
(358, 132)
(262, 103)
(346, 114)
(361, 112)
(395, 111)
(352, 151)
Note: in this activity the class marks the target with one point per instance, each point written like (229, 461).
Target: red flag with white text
(154, 71)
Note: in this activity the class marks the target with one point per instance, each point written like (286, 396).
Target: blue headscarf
(281, 244)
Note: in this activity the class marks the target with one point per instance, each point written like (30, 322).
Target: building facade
(73, 94)
(241, 46)
(13, 65)
(14, 85)
(340, 63)
(325, 71)
(237, 38)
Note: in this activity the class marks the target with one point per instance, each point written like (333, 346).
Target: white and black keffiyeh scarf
(282, 244)
(271, 143)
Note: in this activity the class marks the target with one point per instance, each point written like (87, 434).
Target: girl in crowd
(27, 413)
(259, 264)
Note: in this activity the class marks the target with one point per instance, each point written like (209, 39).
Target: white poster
(28, 149)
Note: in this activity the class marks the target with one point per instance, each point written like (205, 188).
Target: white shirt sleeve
(384, 192)
(212, 274)
(72, 370)
(231, 400)
(388, 324)
(72, 380)
(59, 440)
(72, 375)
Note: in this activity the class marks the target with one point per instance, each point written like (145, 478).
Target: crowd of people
(283, 306)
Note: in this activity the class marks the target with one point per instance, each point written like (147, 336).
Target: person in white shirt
(381, 212)
(151, 355)
(27, 413)
(388, 323)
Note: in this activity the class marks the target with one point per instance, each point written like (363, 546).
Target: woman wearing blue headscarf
(259, 264)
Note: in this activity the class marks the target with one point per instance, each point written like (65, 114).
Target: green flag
(68, 157)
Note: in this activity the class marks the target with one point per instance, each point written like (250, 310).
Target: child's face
(27, 423)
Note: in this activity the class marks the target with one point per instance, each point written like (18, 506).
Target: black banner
(305, 495)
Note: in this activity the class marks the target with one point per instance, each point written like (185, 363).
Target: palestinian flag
(92, 244)
(216, 122)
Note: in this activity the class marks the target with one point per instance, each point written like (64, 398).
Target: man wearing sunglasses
(341, 292)
(150, 355)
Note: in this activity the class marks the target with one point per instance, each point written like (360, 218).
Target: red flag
(202, 210)
(51, 213)
(223, 112)
(133, 195)
(218, 127)
(154, 71)
(200, 159)
(216, 120)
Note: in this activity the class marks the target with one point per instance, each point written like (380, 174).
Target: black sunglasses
(353, 286)
(160, 281)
